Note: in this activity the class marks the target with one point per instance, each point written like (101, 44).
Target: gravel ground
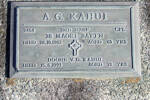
(78, 89)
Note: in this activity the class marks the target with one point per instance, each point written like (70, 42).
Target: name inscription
(75, 16)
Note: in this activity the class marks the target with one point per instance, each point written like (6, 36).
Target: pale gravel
(82, 89)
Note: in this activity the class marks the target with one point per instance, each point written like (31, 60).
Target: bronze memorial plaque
(74, 40)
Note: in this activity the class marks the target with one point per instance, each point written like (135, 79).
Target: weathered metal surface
(74, 39)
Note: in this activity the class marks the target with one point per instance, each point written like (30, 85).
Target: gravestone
(74, 40)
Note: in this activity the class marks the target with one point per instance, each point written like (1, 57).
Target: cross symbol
(74, 45)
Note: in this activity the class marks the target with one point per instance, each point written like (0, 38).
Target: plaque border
(135, 44)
